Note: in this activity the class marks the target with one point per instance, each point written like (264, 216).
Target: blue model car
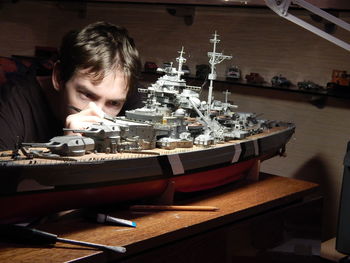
(280, 82)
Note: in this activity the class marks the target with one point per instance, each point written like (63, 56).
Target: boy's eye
(114, 103)
(85, 95)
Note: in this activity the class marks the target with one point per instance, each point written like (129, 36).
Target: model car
(233, 73)
(340, 78)
(309, 85)
(254, 78)
(150, 66)
(280, 81)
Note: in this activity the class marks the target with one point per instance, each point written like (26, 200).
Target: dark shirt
(26, 116)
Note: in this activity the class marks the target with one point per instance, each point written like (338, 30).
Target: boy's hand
(83, 118)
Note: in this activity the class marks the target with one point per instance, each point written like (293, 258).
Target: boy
(95, 73)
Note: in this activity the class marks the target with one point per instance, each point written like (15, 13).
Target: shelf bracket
(187, 12)
(281, 7)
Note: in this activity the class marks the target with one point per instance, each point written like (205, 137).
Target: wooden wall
(258, 40)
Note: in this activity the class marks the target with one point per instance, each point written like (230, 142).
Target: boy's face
(109, 95)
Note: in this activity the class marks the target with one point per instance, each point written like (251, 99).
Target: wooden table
(180, 236)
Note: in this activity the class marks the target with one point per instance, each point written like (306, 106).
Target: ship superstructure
(174, 106)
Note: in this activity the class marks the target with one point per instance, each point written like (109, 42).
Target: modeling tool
(26, 235)
(103, 218)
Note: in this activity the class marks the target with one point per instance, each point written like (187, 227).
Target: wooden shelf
(336, 93)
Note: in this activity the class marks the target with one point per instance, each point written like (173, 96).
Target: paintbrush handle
(174, 207)
(94, 245)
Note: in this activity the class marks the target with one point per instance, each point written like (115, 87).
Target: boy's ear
(56, 76)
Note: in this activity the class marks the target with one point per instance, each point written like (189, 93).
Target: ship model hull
(40, 187)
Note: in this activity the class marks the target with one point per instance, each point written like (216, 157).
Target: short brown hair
(99, 48)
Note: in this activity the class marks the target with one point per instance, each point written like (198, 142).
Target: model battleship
(176, 137)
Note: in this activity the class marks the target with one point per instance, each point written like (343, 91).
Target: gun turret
(69, 145)
(106, 136)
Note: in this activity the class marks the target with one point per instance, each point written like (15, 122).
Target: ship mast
(226, 92)
(180, 61)
(214, 58)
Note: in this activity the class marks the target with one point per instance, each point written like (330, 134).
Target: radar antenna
(214, 59)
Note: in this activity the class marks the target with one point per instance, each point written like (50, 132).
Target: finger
(83, 118)
(72, 133)
(97, 110)
(76, 121)
(91, 109)
(89, 118)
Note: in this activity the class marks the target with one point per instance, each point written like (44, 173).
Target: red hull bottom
(25, 206)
